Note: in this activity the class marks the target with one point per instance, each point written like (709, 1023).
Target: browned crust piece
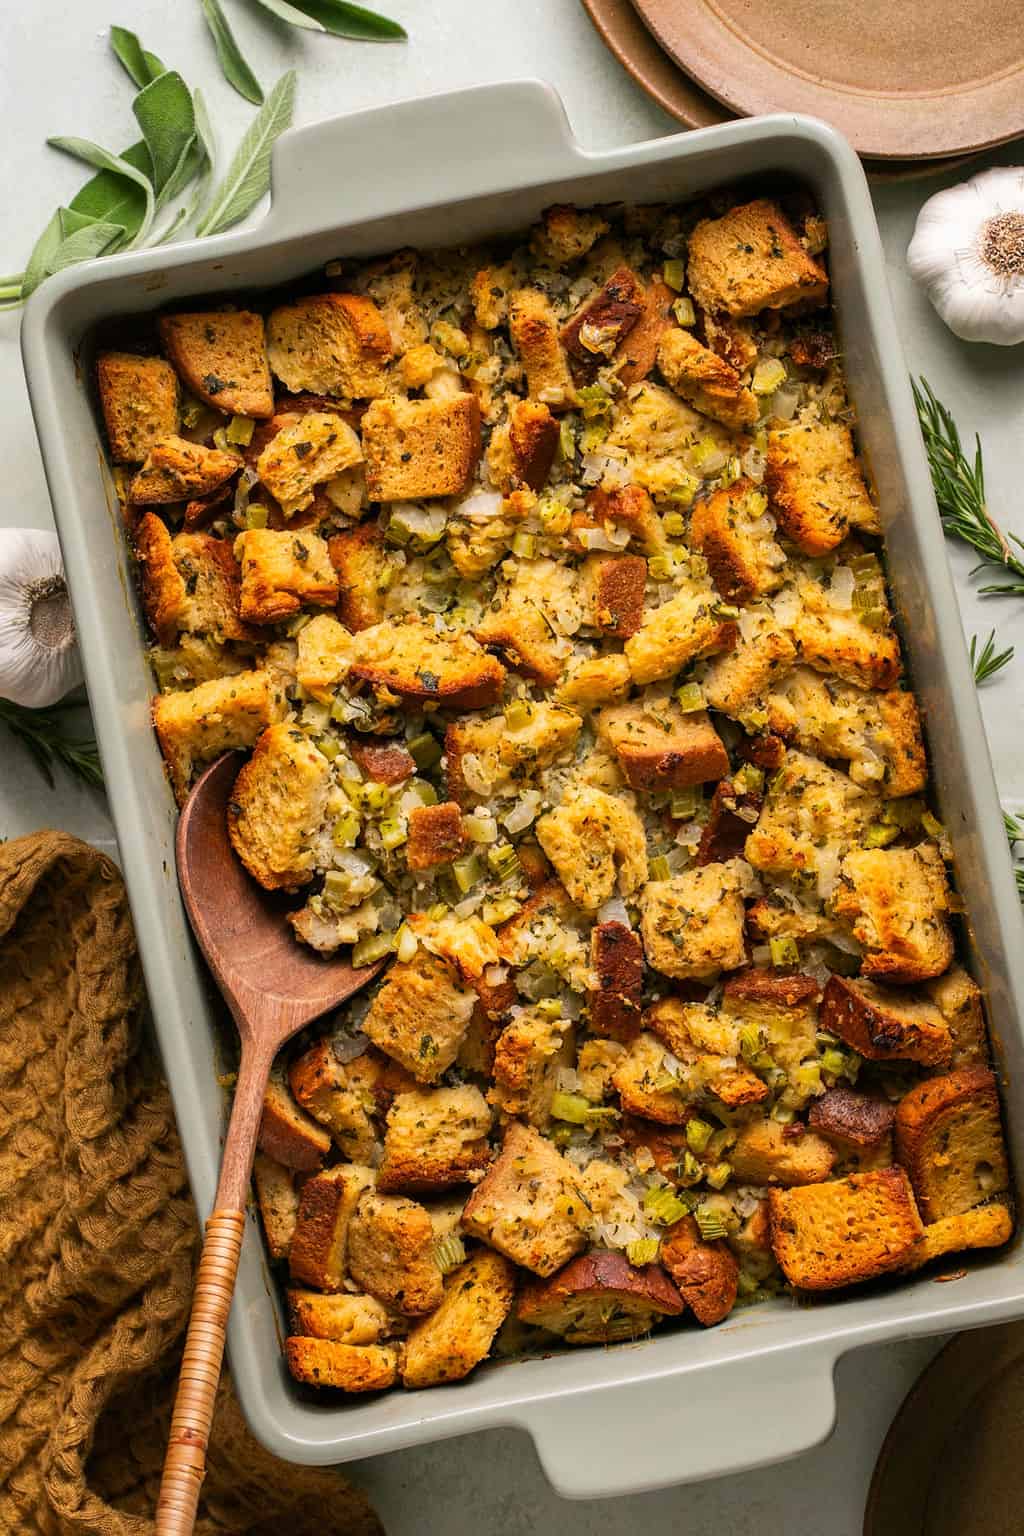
(222, 358)
(985, 1226)
(386, 762)
(845, 1231)
(617, 584)
(617, 956)
(732, 552)
(420, 448)
(752, 259)
(139, 397)
(533, 441)
(726, 831)
(435, 1138)
(597, 328)
(288, 1134)
(627, 506)
(707, 1274)
(635, 356)
(319, 1246)
(780, 991)
(347, 1367)
(767, 1153)
(885, 1025)
(949, 1137)
(337, 1096)
(391, 1253)
(436, 835)
(176, 470)
(528, 1205)
(471, 679)
(599, 1298)
(448, 1344)
(853, 1119)
(335, 343)
(282, 572)
(358, 556)
(705, 380)
(342, 1317)
(278, 1201)
(670, 750)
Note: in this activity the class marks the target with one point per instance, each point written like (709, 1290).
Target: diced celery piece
(315, 716)
(239, 430)
(691, 1169)
(932, 825)
(768, 375)
(480, 829)
(659, 868)
(550, 1008)
(684, 802)
(881, 834)
(467, 872)
(337, 887)
(661, 567)
(374, 947)
(673, 275)
(873, 618)
(732, 471)
(904, 813)
(518, 714)
(683, 492)
(807, 1078)
(345, 830)
(571, 1107)
(718, 1175)
(503, 860)
(643, 1250)
(494, 912)
(330, 746)
(406, 944)
(393, 832)
(449, 1251)
(833, 1062)
(524, 545)
(674, 524)
(710, 1223)
(424, 750)
(698, 1134)
(424, 791)
(749, 780)
(663, 1206)
(566, 439)
(783, 1114)
(684, 312)
(437, 911)
(689, 697)
(296, 625)
(725, 611)
(256, 515)
(594, 401)
(784, 952)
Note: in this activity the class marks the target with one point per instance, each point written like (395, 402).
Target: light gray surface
(492, 1482)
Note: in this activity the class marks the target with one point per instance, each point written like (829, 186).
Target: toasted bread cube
(600, 1298)
(809, 807)
(331, 344)
(420, 448)
(663, 748)
(190, 583)
(879, 734)
(705, 380)
(612, 591)
(846, 1230)
(737, 683)
(346, 1367)
(534, 332)
(530, 1053)
(435, 1137)
(656, 431)
(681, 630)
(596, 329)
(490, 291)
(384, 761)
(391, 283)
(222, 359)
(360, 560)
(175, 470)
(782, 1010)
(522, 450)
(278, 809)
(597, 844)
(218, 716)
(528, 1205)
(949, 1137)
(623, 506)
(325, 651)
(468, 943)
(885, 1025)
(391, 1253)
(985, 1226)
(816, 486)
(897, 900)
(958, 999)
(707, 1274)
(646, 1087)
(288, 1135)
(692, 924)
(547, 915)
(283, 572)
(832, 640)
(597, 1063)
(636, 354)
(732, 339)
(305, 453)
(319, 1247)
(487, 757)
(566, 234)
(707, 1044)
(343, 1318)
(765, 1153)
(515, 623)
(727, 828)
(409, 658)
(852, 1120)
(436, 835)
(591, 681)
(139, 396)
(278, 1201)
(447, 1345)
(334, 1095)
(751, 259)
(728, 528)
(420, 1015)
(617, 957)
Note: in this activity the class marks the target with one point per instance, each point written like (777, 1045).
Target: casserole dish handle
(628, 1437)
(464, 143)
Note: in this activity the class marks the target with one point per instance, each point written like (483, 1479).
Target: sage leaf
(347, 20)
(95, 155)
(43, 252)
(206, 151)
(112, 197)
(236, 70)
(71, 221)
(96, 239)
(248, 176)
(163, 110)
(291, 14)
(141, 66)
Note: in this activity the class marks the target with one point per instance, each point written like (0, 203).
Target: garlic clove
(968, 253)
(39, 656)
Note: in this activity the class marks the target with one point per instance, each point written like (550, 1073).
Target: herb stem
(988, 661)
(44, 732)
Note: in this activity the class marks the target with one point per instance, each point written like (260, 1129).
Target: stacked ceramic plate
(908, 85)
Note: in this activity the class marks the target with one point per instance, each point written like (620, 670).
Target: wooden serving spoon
(273, 985)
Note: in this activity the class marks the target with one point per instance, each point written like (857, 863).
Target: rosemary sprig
(1015, 834)
(988, 661)
(959, 484)
(45, 734)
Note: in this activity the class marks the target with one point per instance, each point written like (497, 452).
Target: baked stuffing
(543, 585)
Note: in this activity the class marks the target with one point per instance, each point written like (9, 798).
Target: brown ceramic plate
(951, 1464)
(900, 81)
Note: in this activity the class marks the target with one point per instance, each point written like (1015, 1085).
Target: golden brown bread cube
(896, 900)
(529, 1054)
(728, 527)
(318, 1254)
(883, 1024)
(420, 1015)
(411, 659)
(679, 631)
(593, 333)
(190, 583)
(288, 1135)
(816, 486)
(139, 397)
(447, 1345)
(663, 748)
(851, 1119)
(334, 1094)
(386, 762)
(593, 680)
(768, 1153)
(346, 1367)
(706, 1274)
(359, 558)
(878, 733)
(566, 234)
(597, 844)
(278, 808)
(600, 1298)
(283, 572)
(534, 333)
(217, 716)
(707, 1043)
(222, 358)
(809, 806)
(436, 835)
(834, 640)
(617, 957)
(278, 1200)
(705, 380)
(516, 625)
(391, 1253)
(317, 446)
(737, 682)
(435, 1137)
(949, 1137)
(984, 1226)
(528, 1205)
(596, 1066)
(622, 506)
(846, 1230)
(330, 344)
(751, 259)
(342, 1317)
(522, 450)
(324, 653)
(644, 1085)
(781, 1010)
(692, 923)
(637, 352)
(175, 470)
(958, 999)
(484, 757)
(612, 591)
(420, 448)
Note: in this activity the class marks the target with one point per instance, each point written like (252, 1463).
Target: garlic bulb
(968, 252)
(39, 660)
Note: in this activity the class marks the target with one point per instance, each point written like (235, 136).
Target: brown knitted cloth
(98, 1237)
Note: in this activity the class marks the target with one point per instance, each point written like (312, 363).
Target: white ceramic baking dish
(442, 171)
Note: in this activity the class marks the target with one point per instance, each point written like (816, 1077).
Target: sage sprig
(338, 16)
(141, 65)
(236, 70)
(248, 176)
